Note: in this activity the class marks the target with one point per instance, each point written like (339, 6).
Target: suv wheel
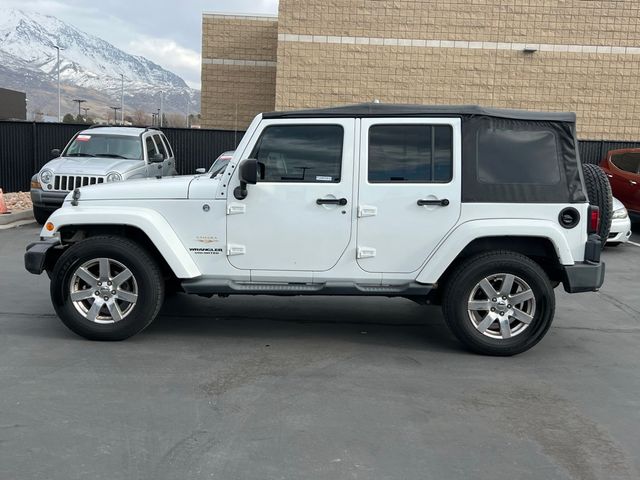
(106, 288)
(599, 192)
(41, 215)
(499, 303)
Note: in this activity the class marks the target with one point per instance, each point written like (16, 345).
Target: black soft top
(390, 110)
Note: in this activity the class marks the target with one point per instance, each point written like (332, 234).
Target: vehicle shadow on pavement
(392, 322)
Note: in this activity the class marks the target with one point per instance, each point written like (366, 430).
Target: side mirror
(55, 153)
(248, 174)
(201, 170)
(156, 158)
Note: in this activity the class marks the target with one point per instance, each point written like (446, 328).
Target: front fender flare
(152, 223)
(461, 236)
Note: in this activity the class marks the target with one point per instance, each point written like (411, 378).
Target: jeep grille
(67, 183)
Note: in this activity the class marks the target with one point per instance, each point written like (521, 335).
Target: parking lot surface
(316, 388)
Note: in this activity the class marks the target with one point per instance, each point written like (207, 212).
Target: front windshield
(110, 146)
(219, 165)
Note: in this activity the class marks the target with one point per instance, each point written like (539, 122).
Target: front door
(298, 216)
(409, 196)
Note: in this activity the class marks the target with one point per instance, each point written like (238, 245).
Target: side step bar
(215, 286)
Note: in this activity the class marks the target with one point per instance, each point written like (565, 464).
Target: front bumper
(620, 230)
(46, 199)
(35, 258)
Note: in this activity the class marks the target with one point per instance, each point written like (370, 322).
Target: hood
(617, 204)
(91, 165)
(145, 188)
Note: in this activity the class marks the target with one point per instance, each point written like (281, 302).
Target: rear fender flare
(452, 245)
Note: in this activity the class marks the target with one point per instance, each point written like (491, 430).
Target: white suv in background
(100, 155)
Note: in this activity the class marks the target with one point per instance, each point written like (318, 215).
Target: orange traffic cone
(3, 205)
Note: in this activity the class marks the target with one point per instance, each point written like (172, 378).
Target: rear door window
(410, 153)
(629, 162)
(151, 147)
(167, 145)
(160, 145)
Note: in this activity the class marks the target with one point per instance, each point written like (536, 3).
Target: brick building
(575, 55)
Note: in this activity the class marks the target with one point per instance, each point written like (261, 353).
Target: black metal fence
(26, 146)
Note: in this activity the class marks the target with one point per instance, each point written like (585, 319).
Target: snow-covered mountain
(89, 66)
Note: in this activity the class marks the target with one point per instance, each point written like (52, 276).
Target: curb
(24, 215)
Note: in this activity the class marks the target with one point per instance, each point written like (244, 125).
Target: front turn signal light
(50, 227)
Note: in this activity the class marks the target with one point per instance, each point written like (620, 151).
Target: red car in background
(623, 169)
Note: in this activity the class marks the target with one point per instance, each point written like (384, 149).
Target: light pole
(58, 48)
(115, 115)
(122, 100)
(161, 112)
(80, 102)
(86, 109)
(188, 109)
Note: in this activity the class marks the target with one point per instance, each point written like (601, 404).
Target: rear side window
(301, 153)
(167, 145)
(410, 154)
(629, 162)
(160, 145)
(151, 147)
(509, 156)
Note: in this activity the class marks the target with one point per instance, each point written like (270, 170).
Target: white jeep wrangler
(481, 210)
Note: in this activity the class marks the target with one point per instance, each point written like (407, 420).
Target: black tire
(145, 271)
(41, 214)
(599, 192)
(463, 282)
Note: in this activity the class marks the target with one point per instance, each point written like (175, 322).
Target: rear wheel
(106, 288)
(499, 303)
(599, 192)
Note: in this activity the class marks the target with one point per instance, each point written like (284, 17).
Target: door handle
(633, 182)
(440, 203)
(331, 201)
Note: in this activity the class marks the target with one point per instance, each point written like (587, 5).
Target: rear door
(624, 178)
(409, 195)
(153, 169)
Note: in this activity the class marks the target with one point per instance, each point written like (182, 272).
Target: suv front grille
(66, 183)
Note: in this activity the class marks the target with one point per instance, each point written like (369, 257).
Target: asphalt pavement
(316, 388)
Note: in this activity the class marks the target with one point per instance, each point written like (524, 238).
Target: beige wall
(238, 69)
(475, 59)
(332, 52)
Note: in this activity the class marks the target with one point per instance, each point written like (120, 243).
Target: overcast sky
(167, 32)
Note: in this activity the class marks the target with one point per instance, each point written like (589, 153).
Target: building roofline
(269, 17)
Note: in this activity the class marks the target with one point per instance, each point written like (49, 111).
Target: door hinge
(236, 208)
(366, 252)
(367, 211)
(234, 249)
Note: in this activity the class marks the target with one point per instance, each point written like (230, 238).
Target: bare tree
(140, 118)
(174, 120)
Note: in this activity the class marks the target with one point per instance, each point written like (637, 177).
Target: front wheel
(41, 214)
(499, 303)
(106, 288)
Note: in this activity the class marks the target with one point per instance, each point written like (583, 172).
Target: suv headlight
(620, 213)
(46, 176)
(113, 177)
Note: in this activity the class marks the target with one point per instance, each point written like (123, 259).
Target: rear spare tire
(599, 192)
